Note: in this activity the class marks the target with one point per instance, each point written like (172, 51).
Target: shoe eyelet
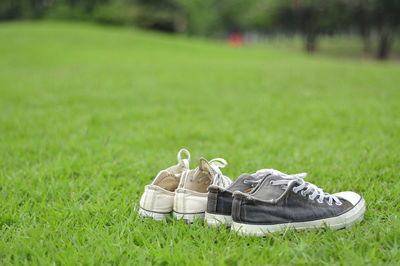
(339, 203)
(271, 182)
(302, 193)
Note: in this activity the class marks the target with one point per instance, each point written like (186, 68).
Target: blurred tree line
(373, 20)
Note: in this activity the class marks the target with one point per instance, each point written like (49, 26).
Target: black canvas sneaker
(219, 203)
(283, 201)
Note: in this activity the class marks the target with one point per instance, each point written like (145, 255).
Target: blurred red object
(236, 40)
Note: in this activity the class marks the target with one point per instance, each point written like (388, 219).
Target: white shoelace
(305, 188)
(219, 178)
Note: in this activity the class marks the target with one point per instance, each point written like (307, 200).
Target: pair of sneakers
(183, 191)
(255, 204)
(270, 201)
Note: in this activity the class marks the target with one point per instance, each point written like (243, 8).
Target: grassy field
(89, 115)
(341, 47)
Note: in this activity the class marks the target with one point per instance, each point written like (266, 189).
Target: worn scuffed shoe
(283, 201)
(191, 195)
(158, 198)
(219, 204)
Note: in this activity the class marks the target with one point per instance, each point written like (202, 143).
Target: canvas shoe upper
(219, 203)
(191, 195)
(158, 198)
(281, 201)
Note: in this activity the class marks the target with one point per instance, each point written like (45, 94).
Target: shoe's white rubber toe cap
(350, 196)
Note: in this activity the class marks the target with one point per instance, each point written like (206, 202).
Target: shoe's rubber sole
(157, 216)
(346, 220)
(188, 217)
(218, 219)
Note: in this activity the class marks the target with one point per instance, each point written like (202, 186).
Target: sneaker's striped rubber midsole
(157, 216)
(218, 219)
(188, 217)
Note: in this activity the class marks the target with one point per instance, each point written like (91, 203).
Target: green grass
(89, 115)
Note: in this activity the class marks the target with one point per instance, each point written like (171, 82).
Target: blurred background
(358, 28)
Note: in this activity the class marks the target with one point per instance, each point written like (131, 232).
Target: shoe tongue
(205, 170)
(213, 166)
(204, 166)
(267, 191)
(240, 183)
(212, 171)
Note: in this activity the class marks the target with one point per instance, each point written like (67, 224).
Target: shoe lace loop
(183, 162)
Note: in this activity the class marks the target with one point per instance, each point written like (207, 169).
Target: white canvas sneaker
(158, 198)
(191, 195)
